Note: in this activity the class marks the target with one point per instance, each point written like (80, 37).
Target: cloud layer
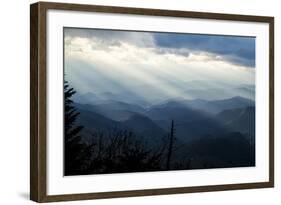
(155, 64)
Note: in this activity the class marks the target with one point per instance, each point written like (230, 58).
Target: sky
(151, 64)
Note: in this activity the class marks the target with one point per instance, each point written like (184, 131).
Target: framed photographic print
(134, 102)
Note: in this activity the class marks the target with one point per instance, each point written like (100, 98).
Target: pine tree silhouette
(73, 147)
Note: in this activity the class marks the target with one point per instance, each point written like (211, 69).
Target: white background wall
(14, 101)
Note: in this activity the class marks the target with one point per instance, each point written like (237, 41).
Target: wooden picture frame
(39, 111)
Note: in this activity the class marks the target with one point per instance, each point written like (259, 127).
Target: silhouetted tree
(73, 147)
(171, 144)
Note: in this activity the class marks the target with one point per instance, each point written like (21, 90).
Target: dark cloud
(176, 51)
(235, 49)
(238, 50)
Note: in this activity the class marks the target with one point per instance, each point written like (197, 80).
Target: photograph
(129, 101)
(143, 101)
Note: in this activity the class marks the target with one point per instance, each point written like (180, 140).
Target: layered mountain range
(207, 133)
(193, 118)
